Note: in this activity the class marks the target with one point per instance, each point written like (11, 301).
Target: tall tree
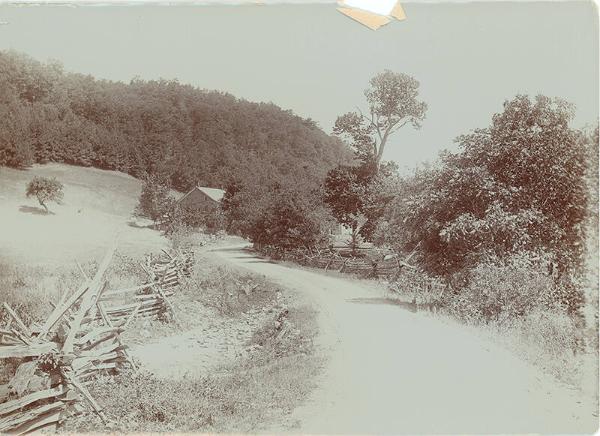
(393, 102)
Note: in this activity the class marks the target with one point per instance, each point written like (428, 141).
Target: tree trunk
(381, 148)
(354, 240)
(44, 206)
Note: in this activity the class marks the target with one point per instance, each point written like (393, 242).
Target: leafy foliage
(345, 190)
(155, 201)
(515, 186)
(358, 195)
(393, 103)
(184, 134)
(501, 289)
(277, 215)
(211, 221)
(45, 189)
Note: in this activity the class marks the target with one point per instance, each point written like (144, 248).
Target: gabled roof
(214, 193)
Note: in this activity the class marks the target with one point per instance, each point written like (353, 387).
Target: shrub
(284, 226)
(289, 222)
(552, 330)
(501, 289)
(283, 214)
(180, 235)
(517, 185)
(419, 287)
(550, 339)
(227, 290)
(155, 201)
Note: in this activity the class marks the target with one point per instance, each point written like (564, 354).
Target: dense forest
(181, 133)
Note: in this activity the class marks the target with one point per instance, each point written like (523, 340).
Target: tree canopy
(517, 185)
(45, 190)
(393, 103)
(160, 127)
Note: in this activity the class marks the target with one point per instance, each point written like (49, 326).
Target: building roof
(214, 193)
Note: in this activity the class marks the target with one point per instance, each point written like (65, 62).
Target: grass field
(97, 207)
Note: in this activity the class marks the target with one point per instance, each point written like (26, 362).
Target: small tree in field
(45, 190)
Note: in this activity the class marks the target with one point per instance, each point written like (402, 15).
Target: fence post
(343, 266)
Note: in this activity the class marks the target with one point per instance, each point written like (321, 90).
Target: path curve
(394, 371)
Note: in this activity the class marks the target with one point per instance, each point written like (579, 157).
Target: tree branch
(396, 126)
(377, 126)
(372, 123)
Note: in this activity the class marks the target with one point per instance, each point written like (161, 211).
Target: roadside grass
(29, 290)
(245, 399)
(227, 290)
(544, 336)
(259, 389)
(255, 393)
(548, 340)
(32, 290)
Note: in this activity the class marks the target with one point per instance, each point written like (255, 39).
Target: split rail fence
(375, 265)
(80, 339)
(360, 266)
(366, 262)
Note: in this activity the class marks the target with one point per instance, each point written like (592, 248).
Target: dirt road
(393, 371)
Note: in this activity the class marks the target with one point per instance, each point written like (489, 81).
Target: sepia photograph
(299, 217)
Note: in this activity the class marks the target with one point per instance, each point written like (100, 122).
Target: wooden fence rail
(357, 265)
(343, 259)
(80, 339)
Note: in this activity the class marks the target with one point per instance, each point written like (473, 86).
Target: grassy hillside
(97, 207)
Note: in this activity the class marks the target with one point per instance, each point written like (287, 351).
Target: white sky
(469, 57)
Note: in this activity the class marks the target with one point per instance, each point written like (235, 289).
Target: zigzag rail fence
(331, 260)
(427, 292)
(79, 340)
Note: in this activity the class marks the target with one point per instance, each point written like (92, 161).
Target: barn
(202, 198)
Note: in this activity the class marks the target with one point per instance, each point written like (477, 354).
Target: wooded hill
(157, 127)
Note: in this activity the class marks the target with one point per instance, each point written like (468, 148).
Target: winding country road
(393, 371)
